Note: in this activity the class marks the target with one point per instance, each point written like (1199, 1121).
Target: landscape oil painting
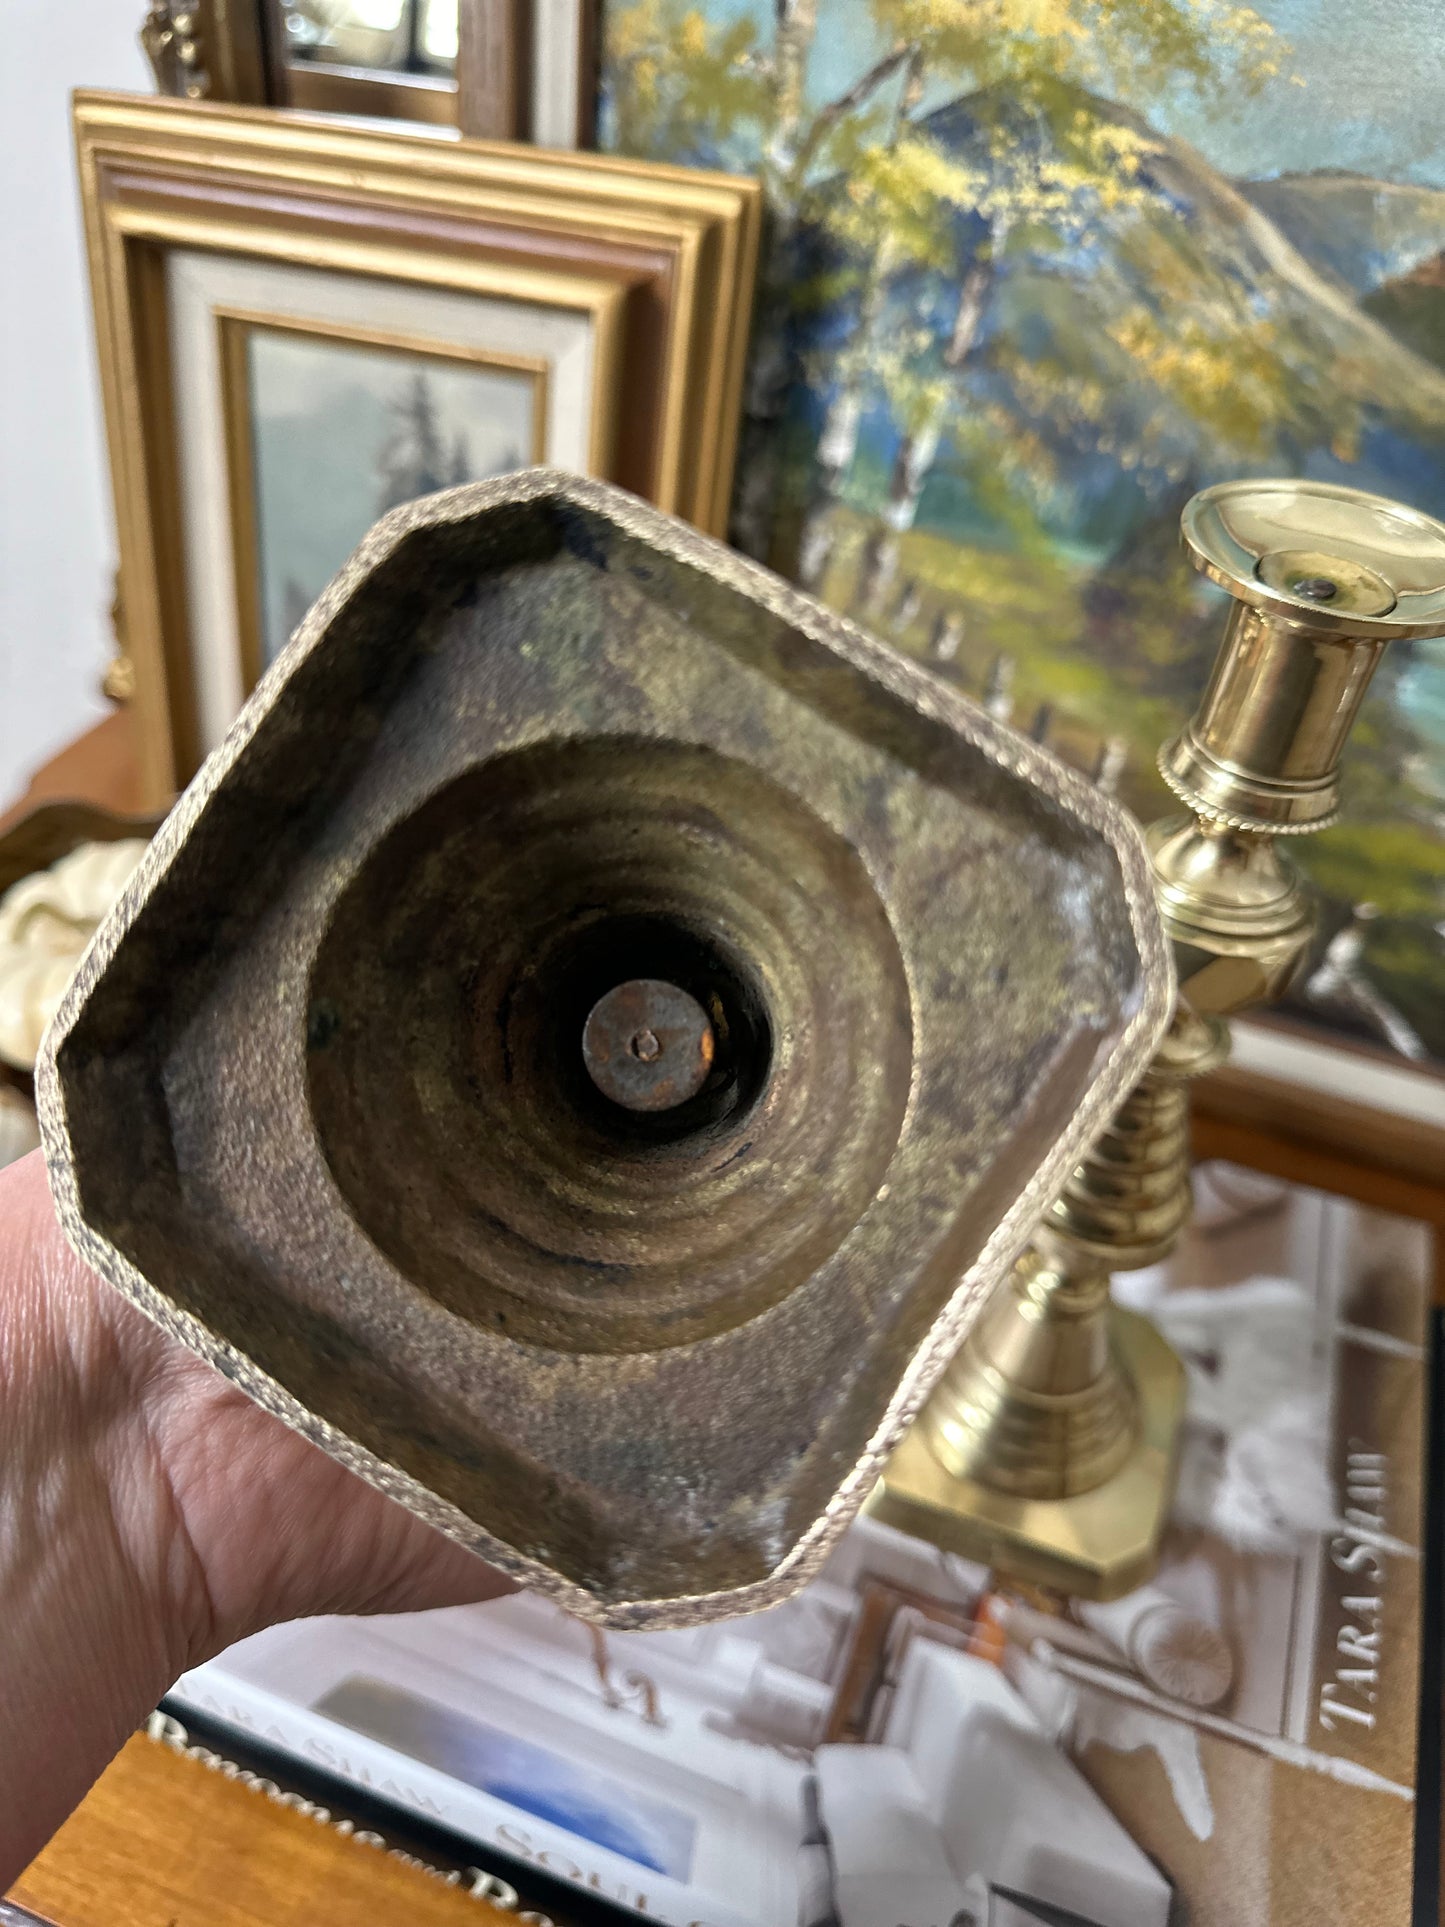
(1037, 271)
(332, 433)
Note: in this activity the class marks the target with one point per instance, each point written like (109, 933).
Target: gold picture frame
(650, 267)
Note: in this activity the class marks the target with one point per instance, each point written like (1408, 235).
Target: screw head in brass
(648, 1045)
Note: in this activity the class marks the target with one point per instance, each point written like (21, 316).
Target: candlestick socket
(1322, 578)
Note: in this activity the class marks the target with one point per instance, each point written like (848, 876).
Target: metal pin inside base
(648, 1045)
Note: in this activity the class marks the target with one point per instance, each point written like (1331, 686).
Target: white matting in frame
(202, 288)
(556, 71)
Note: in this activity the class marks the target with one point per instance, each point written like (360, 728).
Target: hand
(150, 1515)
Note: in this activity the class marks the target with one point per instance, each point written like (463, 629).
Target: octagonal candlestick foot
(586, 1042)
(1095, 1544)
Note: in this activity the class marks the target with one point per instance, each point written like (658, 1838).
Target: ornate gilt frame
(662, 259)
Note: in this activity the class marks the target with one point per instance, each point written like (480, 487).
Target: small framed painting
(328, 429)
(303, 324)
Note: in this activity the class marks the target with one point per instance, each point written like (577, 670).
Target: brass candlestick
(1048, 1447)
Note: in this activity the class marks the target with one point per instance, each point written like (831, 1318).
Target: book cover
(912, 1741)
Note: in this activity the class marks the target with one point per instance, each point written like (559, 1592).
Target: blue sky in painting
(1374, 84)
(1373, 76)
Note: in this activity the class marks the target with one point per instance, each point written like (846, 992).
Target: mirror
(375, 36)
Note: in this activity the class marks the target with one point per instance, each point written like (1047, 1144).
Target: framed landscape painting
(303, 324)
(1036, 276)
(308, 400)
(328, 429)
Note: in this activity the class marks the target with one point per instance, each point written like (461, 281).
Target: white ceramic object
(967, 1802)
(46, 921)
(19, 1132)
(1172, 1649)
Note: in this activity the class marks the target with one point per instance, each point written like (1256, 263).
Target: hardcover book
(912, 1740)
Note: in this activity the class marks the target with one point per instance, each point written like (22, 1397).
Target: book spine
(369, 1821)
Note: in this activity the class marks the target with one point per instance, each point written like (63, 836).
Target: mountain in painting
(1199, 336)
(1005, 330)
(1361, 231)
(1412, 307)
(1171, 338)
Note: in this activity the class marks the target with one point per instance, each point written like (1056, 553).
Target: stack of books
(912, 1739)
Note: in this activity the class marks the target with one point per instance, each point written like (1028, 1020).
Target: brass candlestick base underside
(598, 1119)
(1094, 1545)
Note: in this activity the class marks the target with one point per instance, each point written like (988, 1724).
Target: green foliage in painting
(1009, 321)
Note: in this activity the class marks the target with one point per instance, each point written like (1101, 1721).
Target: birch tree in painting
(869, 174)
(1036, 271)
(413, 460)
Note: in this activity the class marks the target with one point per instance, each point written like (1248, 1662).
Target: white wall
(57, 545)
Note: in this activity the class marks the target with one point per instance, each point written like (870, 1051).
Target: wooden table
(102, 766)
(164, 1841)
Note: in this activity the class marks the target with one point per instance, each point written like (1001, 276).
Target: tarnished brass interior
(319, 1100)
(446, 1076)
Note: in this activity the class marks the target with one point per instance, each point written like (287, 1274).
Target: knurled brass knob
(1322, 578)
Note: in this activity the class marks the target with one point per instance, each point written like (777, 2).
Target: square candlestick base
(1096, 1545)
